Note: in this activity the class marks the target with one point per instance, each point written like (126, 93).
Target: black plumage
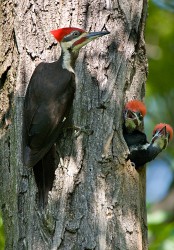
(48, 101)
(141, 151)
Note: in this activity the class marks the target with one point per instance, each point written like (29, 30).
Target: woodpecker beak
(93, 35)
(132, 119)
(86, 38)
(160, 133)
(161, 138)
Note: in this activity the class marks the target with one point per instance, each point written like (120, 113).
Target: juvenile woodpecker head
(162, 134)
(134, 113)
(72, 40)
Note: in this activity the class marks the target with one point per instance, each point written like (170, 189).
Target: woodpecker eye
(76, 33)
(71, 36)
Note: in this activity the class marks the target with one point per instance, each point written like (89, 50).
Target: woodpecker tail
(44, 172)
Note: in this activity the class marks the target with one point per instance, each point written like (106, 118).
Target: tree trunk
(98, 198)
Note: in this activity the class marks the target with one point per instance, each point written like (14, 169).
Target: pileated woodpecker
(47, 103)
(141, 151)
(134, 113)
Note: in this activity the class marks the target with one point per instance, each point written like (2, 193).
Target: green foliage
(160, 49)
(160, 83)
(160, 101)
(161, 231)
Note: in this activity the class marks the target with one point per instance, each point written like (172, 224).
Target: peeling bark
(98, 199)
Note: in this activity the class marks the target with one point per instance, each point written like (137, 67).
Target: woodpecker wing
(48, 100)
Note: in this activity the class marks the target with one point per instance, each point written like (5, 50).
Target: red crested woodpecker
(162, 134)
(134, 113)
(48, 100)
(140, 154)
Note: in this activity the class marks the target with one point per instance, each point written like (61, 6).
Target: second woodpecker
(48, 100)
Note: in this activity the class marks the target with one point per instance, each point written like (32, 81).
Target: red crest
(162, 125)
(136, 106)
(60, 33)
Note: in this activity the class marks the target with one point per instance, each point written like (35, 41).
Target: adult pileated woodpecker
(141, 151)
(47, 103)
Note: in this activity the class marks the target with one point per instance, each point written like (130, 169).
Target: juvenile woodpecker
(48, 100)
(141, 151)
(134, 113)
(144, 151)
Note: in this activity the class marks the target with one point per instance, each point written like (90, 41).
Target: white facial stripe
(67, 61)
(67, 56)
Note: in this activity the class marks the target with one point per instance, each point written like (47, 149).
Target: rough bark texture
(98, 199)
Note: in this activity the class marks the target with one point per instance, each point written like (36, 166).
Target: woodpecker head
(162, 134)
(73, 39)
(133, 114)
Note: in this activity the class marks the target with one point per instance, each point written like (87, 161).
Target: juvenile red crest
(60, 33)
(135, 106)
(162, 125)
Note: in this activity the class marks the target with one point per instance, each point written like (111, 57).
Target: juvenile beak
(133, 117)
(161, 135)
(163, 131)
(129, 114)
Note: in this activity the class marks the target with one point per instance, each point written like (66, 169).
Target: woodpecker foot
(79, 130)
(85, 129)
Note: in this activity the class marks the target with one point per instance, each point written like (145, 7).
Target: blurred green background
(160, 105)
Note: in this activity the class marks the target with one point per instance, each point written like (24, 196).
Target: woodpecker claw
(79, 130)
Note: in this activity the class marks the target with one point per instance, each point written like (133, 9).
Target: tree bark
(98, 198)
